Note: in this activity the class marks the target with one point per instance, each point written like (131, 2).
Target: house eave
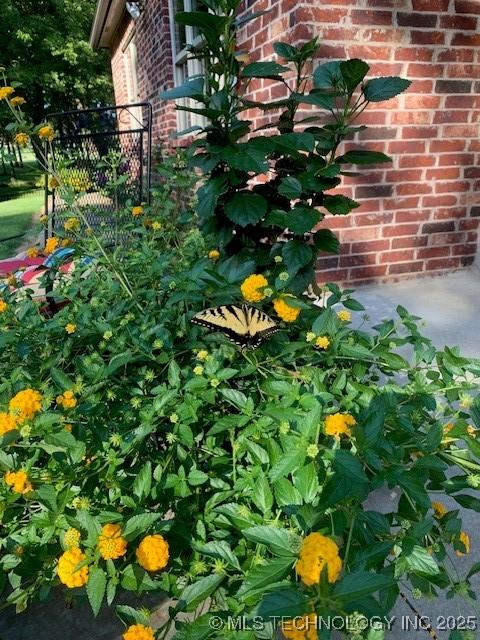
(107, 18)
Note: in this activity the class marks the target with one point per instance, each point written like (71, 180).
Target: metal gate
(92, 149)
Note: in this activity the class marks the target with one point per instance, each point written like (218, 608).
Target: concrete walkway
(450, 306)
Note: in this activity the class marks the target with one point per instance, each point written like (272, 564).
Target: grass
(20, 199)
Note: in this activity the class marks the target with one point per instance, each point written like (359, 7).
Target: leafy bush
(140, 453)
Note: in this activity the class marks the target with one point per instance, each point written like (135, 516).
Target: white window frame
(194, 68)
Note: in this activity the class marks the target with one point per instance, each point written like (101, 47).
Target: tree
(45, 50)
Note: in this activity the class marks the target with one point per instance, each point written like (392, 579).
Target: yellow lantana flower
(46, 132)
(137, 211)
(72, 224)
(322, 342)
(3, 306)
(22, 139)
(6, 92)
(111, 544)
(138, 632)
(339, 424)
(316, 552)
(439, 509)
(202, 354)
(51, 245)
(464, 538)
(70, 328)
(285, 311)
(67, 569)
(32, 252)
(18, 481)
(301, 627)
(7, 423)
(153, 553)
(17, 101)
(214, 254)
(252, 286)
(71, 539)
(344, 315)
(25, 404)
(67, 400)
(156, 226)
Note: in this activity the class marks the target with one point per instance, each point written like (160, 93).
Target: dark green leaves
(296, 254)
(246, 208)
(284, 50)
(263, 70)
(96, 585)
(285, 602)
(263, 576)
(339, 205)
(205, 21)
(353, 72)
(349, 480)
(379, 89)
(362, 583)
(278, 541)
(362, 156)
(190, 89)
(290, 188)
(198, 592)
(328, 75)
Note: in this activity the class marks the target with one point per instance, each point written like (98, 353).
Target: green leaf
(362, 156)
(219, 549)
(326, 240)
(263, 70)
(47, 496)
(61, 379)
(379, 89)
(118, 361)
(143, 481)
(199, 629)
(339, 205)
(300, 219)
(328, 75)
(245, 157)
(353, 72)
(296, 255)
(287, 602)
(294, 142)
(207, 196)
(420, 561)
(286, 494)
(361, 583)
(291, 460)
(237, 398)
(246, 208)
(290, 187)
(196, 477)
(196, 593)
(263, 576)
(129, 615)
(96, 585)
(306, 481)
(285, 50)
(279, 541)
(348, 481)
(139, 524)
(262, 494)
(468, 502)
(317, 98)
(326, 322)
(190, 89)
(173, 374)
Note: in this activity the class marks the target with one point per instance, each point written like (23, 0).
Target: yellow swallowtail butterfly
(246, 326)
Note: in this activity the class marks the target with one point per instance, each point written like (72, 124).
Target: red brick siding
(420, 214)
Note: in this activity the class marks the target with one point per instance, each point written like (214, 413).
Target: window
(131, 73)
(184, 69)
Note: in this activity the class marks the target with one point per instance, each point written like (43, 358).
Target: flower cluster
(22, 139)
(464, 539)
(46, 132)
(25, 405)
(3, 306)
(137, 211)
(72, 224)
(70, 328)
(6, 92)
(344, 315)
(439, 509)
(111, 544)
(339, 424)
(50, 246)
(138, 632)
(68, 571)
(322, 342)
(153, 553)
(285, 311)
(252, 288)
(316, 552)
(214, 254)
(67, 400)
(71, 539)
(18, 481)
(7, 423)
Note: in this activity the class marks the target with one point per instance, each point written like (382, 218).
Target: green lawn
(20, 198)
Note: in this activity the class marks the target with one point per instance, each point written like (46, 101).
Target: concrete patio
(450, 306)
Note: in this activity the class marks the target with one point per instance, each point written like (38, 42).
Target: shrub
(140, 453)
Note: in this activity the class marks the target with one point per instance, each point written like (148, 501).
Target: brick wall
(420, 214)
(151, 34)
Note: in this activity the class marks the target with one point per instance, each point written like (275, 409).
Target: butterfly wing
(245, 326)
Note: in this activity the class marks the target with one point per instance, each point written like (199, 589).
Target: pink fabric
(10, 266)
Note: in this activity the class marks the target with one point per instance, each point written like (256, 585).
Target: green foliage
(300, 155)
